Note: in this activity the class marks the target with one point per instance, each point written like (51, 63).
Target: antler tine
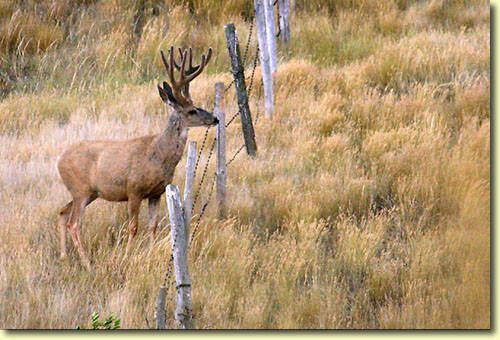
(164, 60)
(204, 61)
(183, 64)
(209, 54)
(177, 66)
(190, 59)
(169, 65)
(190, 70)
(171, 68)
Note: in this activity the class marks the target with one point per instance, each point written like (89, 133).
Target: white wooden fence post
(221, 149)
(188, 186)
(264, 58)
(180, 242)
(161, 318)
(284, 14)
(271, 34)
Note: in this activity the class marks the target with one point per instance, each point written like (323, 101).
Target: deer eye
(192, 112)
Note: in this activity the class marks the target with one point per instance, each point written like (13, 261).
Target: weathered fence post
(180, 242)
(221, 149)
(161, 318)
(264, 58)
(284, 14)
(271, 34)
(188, 186)
(233, 47)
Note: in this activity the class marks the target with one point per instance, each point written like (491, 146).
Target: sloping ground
(368, 205)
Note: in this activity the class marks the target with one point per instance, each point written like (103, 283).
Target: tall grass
(367, 206)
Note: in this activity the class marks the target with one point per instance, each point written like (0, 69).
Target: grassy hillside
(367, 206)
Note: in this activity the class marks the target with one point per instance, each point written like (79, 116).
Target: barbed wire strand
(212, 148)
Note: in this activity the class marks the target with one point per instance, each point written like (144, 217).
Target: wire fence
(212, 148)
(168, 273)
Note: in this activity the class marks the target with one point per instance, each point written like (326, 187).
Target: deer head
(177, 93)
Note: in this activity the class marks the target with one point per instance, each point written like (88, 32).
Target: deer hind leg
(154, 204)
(73, 224)
(62, 225)
(134, 204)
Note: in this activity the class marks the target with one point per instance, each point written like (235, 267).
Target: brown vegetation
(367, 206)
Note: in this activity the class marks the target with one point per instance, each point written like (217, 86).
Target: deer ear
(166, 94)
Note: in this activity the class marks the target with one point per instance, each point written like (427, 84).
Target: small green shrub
(110, 323)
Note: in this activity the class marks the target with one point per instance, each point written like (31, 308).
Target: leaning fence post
(233, 47)
(180, 241)
(264, 58)
(221, 149)
(284, 14)
(271, 34)
(188, 186)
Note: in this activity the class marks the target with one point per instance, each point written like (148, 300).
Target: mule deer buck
(135, 169)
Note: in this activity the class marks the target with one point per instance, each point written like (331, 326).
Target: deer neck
(169, 145)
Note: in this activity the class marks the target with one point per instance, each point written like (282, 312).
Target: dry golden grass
(367, 206)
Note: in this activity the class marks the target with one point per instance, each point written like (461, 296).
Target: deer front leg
(62, 224)
(154, 204)
(74, 228)
(134, 204)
